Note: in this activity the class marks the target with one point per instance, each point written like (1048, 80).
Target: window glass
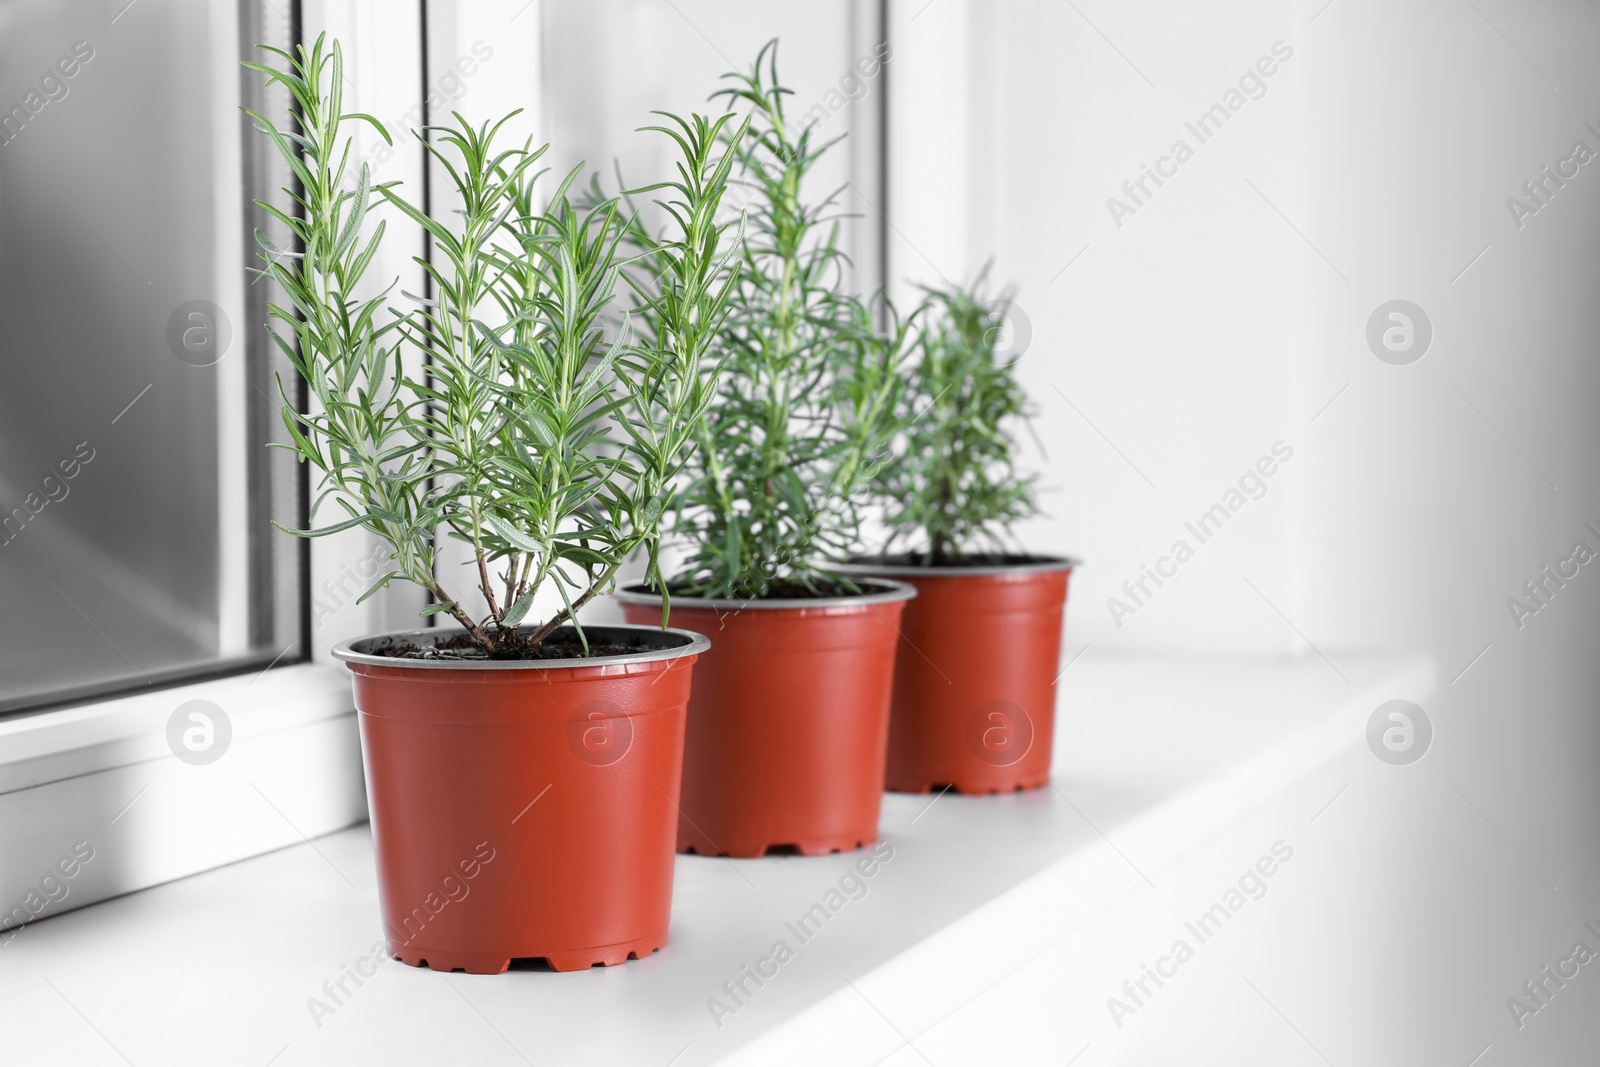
(134, 397)
(609, 63)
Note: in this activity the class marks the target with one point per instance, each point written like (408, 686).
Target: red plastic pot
(974, 688)
(789, 719)
(524, 808)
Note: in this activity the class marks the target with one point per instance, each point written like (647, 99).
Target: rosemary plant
(955, 492)
(808, 388)
(528, 424)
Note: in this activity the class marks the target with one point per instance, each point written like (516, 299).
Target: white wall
(1227, 314)
(1159, 359)
(1231, 308)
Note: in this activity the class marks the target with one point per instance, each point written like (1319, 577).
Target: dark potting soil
(563, 644)
(951, 559)
(784, 589)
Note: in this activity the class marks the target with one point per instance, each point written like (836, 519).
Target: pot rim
(865, 565)
(693, 644)
(890, 592)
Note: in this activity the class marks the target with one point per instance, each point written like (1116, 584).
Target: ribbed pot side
(789, 720)
(975, 679)
(525, 809)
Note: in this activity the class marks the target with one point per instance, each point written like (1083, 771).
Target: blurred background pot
(974, 689)
(524, 808)
(789, 718)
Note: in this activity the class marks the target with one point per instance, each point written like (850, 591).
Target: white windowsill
(1154, 757)
(101, 734)
(102, 772)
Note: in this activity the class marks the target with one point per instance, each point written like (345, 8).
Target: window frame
(98, 766)
(263, 576)
(95, 764)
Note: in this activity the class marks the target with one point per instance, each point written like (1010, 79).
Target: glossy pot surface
(789, 719)
(525, 808)
(975, 680)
